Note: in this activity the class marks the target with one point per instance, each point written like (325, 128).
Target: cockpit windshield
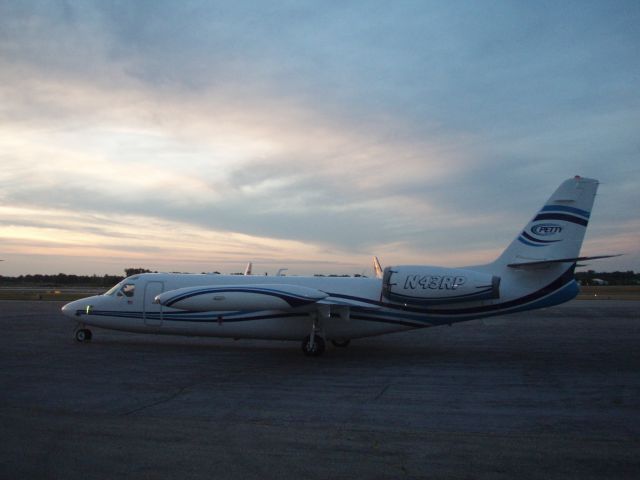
(113, 289)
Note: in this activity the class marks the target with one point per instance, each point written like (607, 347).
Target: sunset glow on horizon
(201, 136)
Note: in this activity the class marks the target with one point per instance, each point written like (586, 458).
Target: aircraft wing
(240, 297)
(348, 302)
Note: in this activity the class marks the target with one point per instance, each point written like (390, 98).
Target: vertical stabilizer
(557, 230)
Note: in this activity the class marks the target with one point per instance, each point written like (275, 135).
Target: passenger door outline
(152, 312)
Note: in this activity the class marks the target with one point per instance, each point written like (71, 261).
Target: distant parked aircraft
(247, 270)
(535, 271)
(377, 268)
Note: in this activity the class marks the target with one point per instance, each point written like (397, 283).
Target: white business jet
(535, 271)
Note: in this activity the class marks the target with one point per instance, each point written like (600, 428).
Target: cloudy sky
(196, 136)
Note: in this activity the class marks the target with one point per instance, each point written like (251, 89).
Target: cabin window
(128, 289)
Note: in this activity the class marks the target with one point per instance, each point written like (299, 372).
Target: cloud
(417, 130)
(245, 175)
(120, 240)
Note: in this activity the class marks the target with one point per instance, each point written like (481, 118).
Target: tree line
(63, 279)
(586, 278)
(612, 278)
(60, 279)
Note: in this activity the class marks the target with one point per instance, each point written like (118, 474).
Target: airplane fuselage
(357, 308)
(534, 271)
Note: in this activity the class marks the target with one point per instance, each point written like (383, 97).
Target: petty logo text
(546, 229)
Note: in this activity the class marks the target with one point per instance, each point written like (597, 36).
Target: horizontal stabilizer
(545, 263)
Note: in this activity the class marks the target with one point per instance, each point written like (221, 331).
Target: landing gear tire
(83, 335)
(342, 342)
(314, 350)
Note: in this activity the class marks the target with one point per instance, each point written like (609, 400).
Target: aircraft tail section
(558, 228)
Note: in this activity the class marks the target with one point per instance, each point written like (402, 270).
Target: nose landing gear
(82, 335)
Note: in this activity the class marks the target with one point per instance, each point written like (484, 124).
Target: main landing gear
(317, 347)
(82, 335)
(313, 346)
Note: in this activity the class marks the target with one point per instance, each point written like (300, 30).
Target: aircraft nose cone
(70, 309)
(79, 307)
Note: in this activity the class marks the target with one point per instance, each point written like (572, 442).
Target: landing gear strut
(313, 346)
(83, 335)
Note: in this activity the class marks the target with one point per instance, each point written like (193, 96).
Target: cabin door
(152, 311)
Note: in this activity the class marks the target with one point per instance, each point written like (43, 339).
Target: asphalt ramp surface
(552, 393)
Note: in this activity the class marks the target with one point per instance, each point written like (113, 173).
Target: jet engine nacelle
(426, 285)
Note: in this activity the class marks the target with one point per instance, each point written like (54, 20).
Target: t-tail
(540, 261)
(556, 232)
(536, 270)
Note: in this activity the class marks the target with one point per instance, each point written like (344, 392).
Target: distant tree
(135, 271)
(61, 279)
(612, 278)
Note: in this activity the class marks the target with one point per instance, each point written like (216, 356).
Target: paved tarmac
(547, 394)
